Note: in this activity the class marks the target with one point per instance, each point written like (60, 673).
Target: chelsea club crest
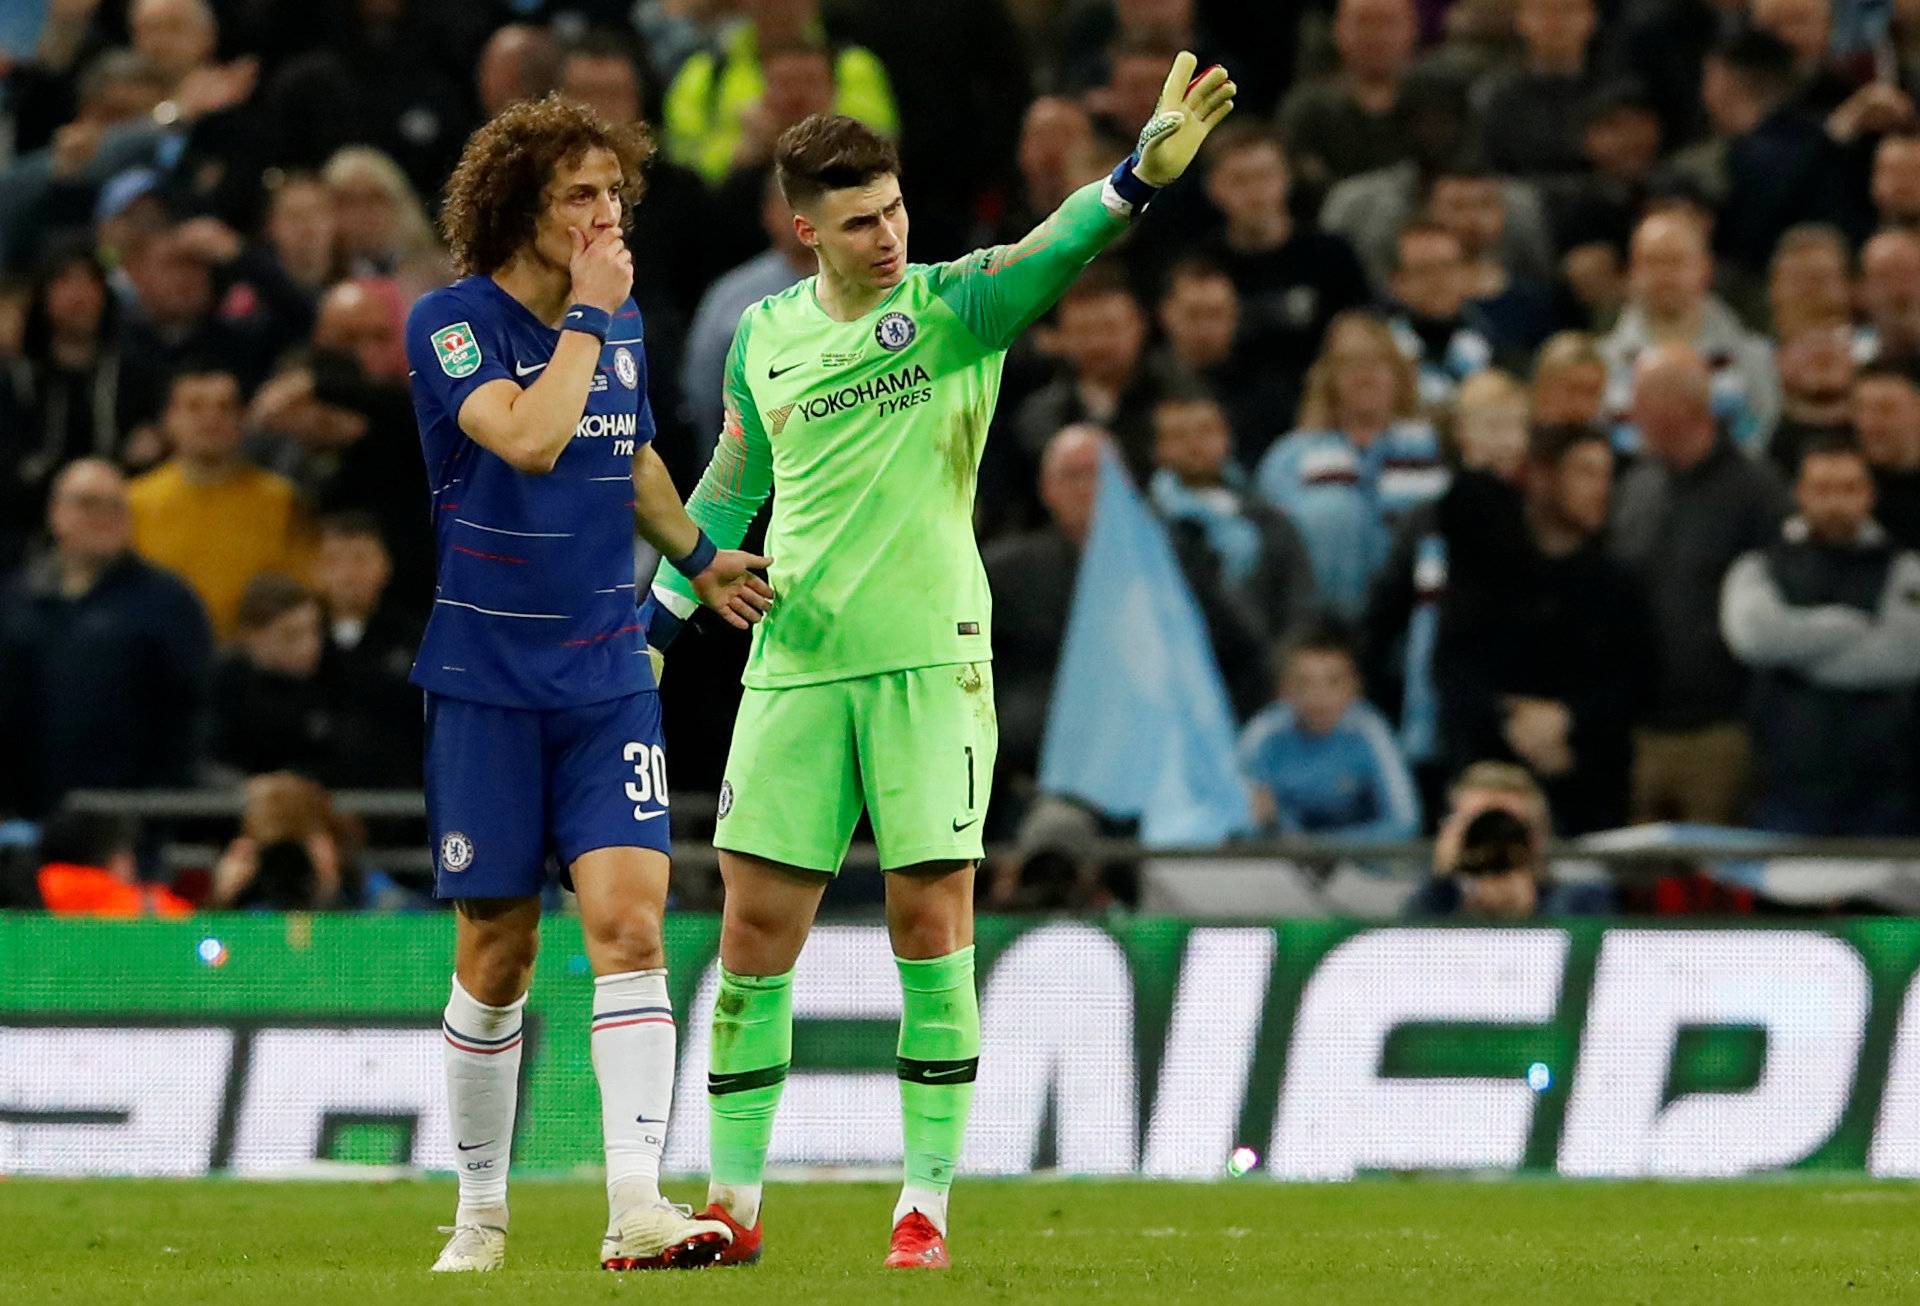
(625, 368)
(895, 331)
(456, 851)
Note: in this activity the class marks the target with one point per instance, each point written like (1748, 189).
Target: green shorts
(915, 748)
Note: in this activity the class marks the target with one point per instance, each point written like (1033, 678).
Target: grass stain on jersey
(960, 448)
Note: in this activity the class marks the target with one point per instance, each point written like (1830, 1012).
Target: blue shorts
(511, 791)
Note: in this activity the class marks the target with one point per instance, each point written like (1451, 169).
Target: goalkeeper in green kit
(861, 396)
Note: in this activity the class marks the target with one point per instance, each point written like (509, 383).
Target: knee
(497, 966)
(629, 941)
(759, 943)
(928, 929)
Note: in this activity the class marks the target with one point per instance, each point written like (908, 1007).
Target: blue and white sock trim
(485, 1047)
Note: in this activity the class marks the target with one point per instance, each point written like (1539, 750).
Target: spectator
(1032, 576)
(338, 420)
(1816, 384)
(1370, 210)
(1199, 316)
(702, 370)
(296, 257)
(1403, 607)
(1810, 280)
(1828, 619)
(1779, 167)
(675, 235)
(272, 711)
(1347, 123)
(1489, 858)
(1890, 301)
(1896, 182)
(172, 319)
(380, 225)
(207, 513)
(1669, 303)
(64, 397)
(1593, 213)
(394, 77)
(1243, 560)
(88, 868)
(1531, 116)
(1136, 71)
(1664, 46)
(1541, 656)
(1292, 279)
(1886, 420)
(1434, 327)
(1055, 156)
(1516, 313)
(1569, 381)
(295, 851)
(371, 639)
(518, 62)
(718, 89)
(49, 189)
(103, 658)
(1681, 517)
(1102, 341)
(1360, 460)
(1320, 760)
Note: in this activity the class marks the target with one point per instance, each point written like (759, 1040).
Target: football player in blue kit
(543, 722)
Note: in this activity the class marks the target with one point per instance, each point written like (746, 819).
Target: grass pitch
(1382, 1241)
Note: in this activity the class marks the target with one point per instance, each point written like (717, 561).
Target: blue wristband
(1127, 185)
(697, 559)
(596, 322)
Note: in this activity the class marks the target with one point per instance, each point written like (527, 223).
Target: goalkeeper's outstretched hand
(1190, 107)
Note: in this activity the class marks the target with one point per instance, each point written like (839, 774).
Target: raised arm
(998, 292)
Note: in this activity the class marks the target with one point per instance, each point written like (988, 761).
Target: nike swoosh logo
(468, 1147)
(518, 370)
(939, 1076)
(774, 374)
(648, 816)
(644, 1120)
(958, 827)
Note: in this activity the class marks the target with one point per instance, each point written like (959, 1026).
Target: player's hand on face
(730, 588)
(602, 268)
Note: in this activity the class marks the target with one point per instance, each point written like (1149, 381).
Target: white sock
(741, 1201)
(924, 1200)
(633, 1059)
(482, 1054)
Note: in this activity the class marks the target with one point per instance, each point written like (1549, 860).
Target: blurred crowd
(1529, 382)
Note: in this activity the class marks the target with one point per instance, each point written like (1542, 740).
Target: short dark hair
(1547, 445)
(351, 523)
(1884, 371)
(1193, 267)
(830, 151)
(269, 597)
(496, 194)
(1324, 636)
(1829, 444)
(197, 367)
(1761, 60)
(1183, 388)
(1236, 135)
(88, 838)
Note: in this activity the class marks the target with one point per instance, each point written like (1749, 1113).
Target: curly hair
(496, 194)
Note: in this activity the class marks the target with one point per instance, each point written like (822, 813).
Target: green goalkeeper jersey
(869, 435)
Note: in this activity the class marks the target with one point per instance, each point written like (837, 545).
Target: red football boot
(697, 1254)
(917, 1245)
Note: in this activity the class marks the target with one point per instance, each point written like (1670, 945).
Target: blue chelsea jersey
(535, 602)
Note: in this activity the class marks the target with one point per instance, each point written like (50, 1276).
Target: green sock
(939, 1055)
(752, 1043)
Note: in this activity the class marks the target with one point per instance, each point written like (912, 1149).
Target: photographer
(1489, 858)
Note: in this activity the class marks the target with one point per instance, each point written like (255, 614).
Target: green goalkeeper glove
(1190, 107)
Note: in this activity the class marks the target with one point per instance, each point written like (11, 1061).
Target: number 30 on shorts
(650, 777)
